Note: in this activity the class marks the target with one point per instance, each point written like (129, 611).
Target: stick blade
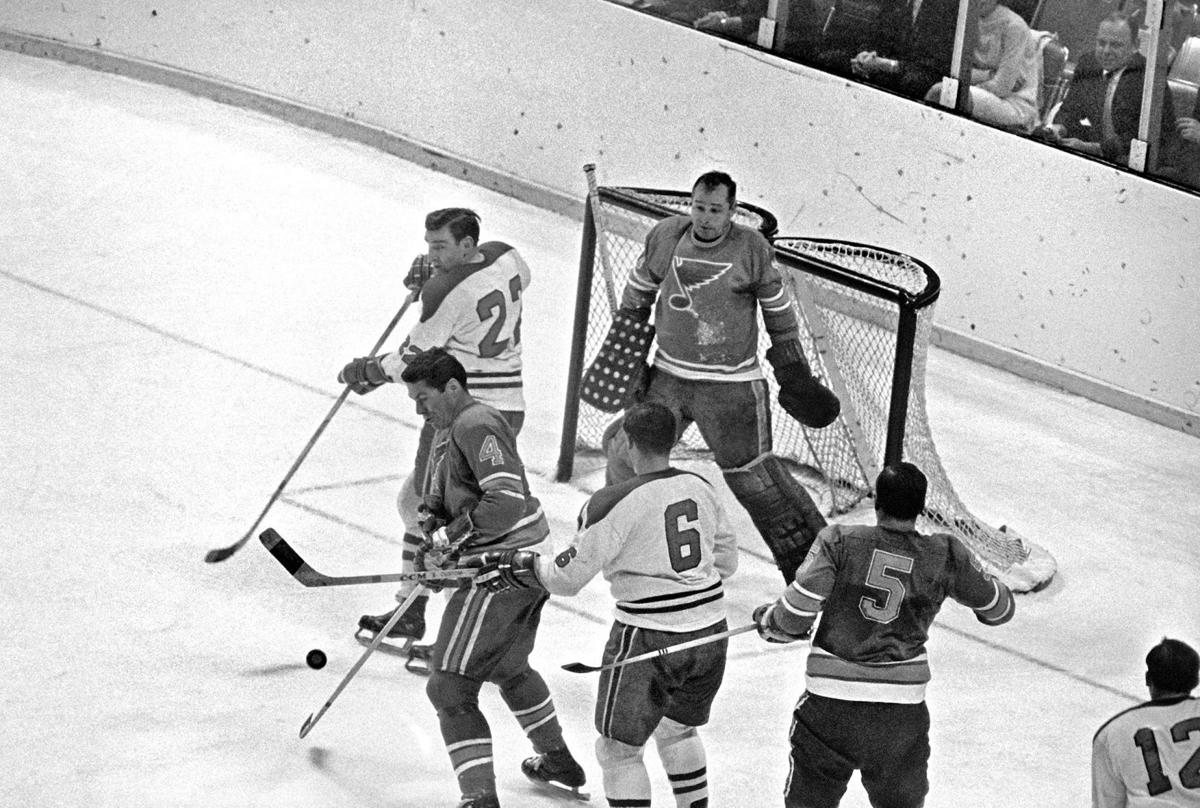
(283, 552)
(308, 723)
(220, 554)
(578, 667)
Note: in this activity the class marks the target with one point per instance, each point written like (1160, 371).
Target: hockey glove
(501, 570)
(800, 394)
(442, 546)
(763, 618)
(363, 374)
(422, 269)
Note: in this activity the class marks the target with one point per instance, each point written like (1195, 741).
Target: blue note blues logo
(692, 274)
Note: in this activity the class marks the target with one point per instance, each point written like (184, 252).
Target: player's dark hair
(650, 427)
(1173, 666)
(712, 180)
(462, 222)
(900, 491)
(435, 367)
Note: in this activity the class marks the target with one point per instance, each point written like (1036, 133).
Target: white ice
(181, 282)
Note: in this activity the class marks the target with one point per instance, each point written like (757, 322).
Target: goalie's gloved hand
(638, 315)
(766, 626)
(501, 570)
(363, 374)
(422, 269)
(800, 394)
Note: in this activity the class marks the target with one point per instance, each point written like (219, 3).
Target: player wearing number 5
(1150, 754)
(663, 543)
(470, 305)
(877, 589)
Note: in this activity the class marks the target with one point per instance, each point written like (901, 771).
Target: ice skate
(557, 771)
(408, 629)
(480, 801)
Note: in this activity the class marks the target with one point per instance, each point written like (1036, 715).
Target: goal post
(865, 314)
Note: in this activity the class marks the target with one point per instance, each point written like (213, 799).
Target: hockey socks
(684, 760)
(529, 699)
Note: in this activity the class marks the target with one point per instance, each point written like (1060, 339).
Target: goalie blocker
(619, 374)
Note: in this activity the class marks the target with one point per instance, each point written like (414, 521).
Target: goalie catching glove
(800, 394)
(363, 374)
(619, 375)
(442, 546)
(501, 570)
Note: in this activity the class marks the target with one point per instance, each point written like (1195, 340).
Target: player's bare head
(900, 491)
(1172, 666)
(651, 428)
(717, 181)
(714, 199)
(461, 222)
(435, 367)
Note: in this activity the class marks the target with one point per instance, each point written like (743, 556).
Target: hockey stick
(222, 553)
(302, 572)
(589, 171)
(579, 667)
(313, 718)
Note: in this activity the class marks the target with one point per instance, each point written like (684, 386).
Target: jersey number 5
(1189, 775)
(493, 304)
(884, 608)
(683, 543)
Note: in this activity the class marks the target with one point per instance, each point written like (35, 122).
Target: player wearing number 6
(877, 590)
(471, 297)
(664, 544)
(1150, 754)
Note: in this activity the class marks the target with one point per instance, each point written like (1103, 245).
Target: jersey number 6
(683, 543)
(494, 304)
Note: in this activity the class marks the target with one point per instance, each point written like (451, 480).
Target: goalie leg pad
(618, 375)
(781, 509)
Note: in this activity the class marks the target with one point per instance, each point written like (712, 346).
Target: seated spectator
(734, 18)
(1188, 129)
(1104, 102)
(1145, 755)
(1004, 70)
(907, 49)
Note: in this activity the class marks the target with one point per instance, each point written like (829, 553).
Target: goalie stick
(579, 667)
(222, 553)
(610, 288)
(302, 572)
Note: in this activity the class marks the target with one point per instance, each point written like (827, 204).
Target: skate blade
(560, 790)
(365, 638)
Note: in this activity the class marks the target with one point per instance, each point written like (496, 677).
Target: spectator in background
(907, 49)
(1188, 129)
(1146, 755)
(734, 18)
(1004, 70)
(1104, 103)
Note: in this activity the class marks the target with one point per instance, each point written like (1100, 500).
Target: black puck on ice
(315, 659)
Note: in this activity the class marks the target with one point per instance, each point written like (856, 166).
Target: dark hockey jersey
(878, 591)
(708, 298)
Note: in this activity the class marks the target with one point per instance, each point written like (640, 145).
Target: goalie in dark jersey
(708, 278)
(477, 498)
(877, 589)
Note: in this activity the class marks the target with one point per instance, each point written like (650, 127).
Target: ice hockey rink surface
(181, 283)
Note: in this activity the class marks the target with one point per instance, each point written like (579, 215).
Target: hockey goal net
(866, 314)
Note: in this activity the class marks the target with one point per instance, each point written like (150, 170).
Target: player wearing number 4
(470, 305)
(663, 542)
(477, 498)
(1149, 755)
(877, 590)
(708, 278)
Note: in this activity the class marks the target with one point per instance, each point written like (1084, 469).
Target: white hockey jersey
(474, 312)
(664, 545)
(1149, 756)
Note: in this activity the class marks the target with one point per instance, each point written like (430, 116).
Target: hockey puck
(315, 659)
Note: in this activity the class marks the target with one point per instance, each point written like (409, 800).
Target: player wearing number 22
(471, 303)
(664, 544)
(877, 590)
(477, 497)
(1149, 755)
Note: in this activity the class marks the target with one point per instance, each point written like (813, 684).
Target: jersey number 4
(1189, 775)
(494, 304)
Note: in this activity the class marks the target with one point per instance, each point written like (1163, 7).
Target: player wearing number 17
(664, 544)
(1149, 755)
(470, 305)
(877, 589)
